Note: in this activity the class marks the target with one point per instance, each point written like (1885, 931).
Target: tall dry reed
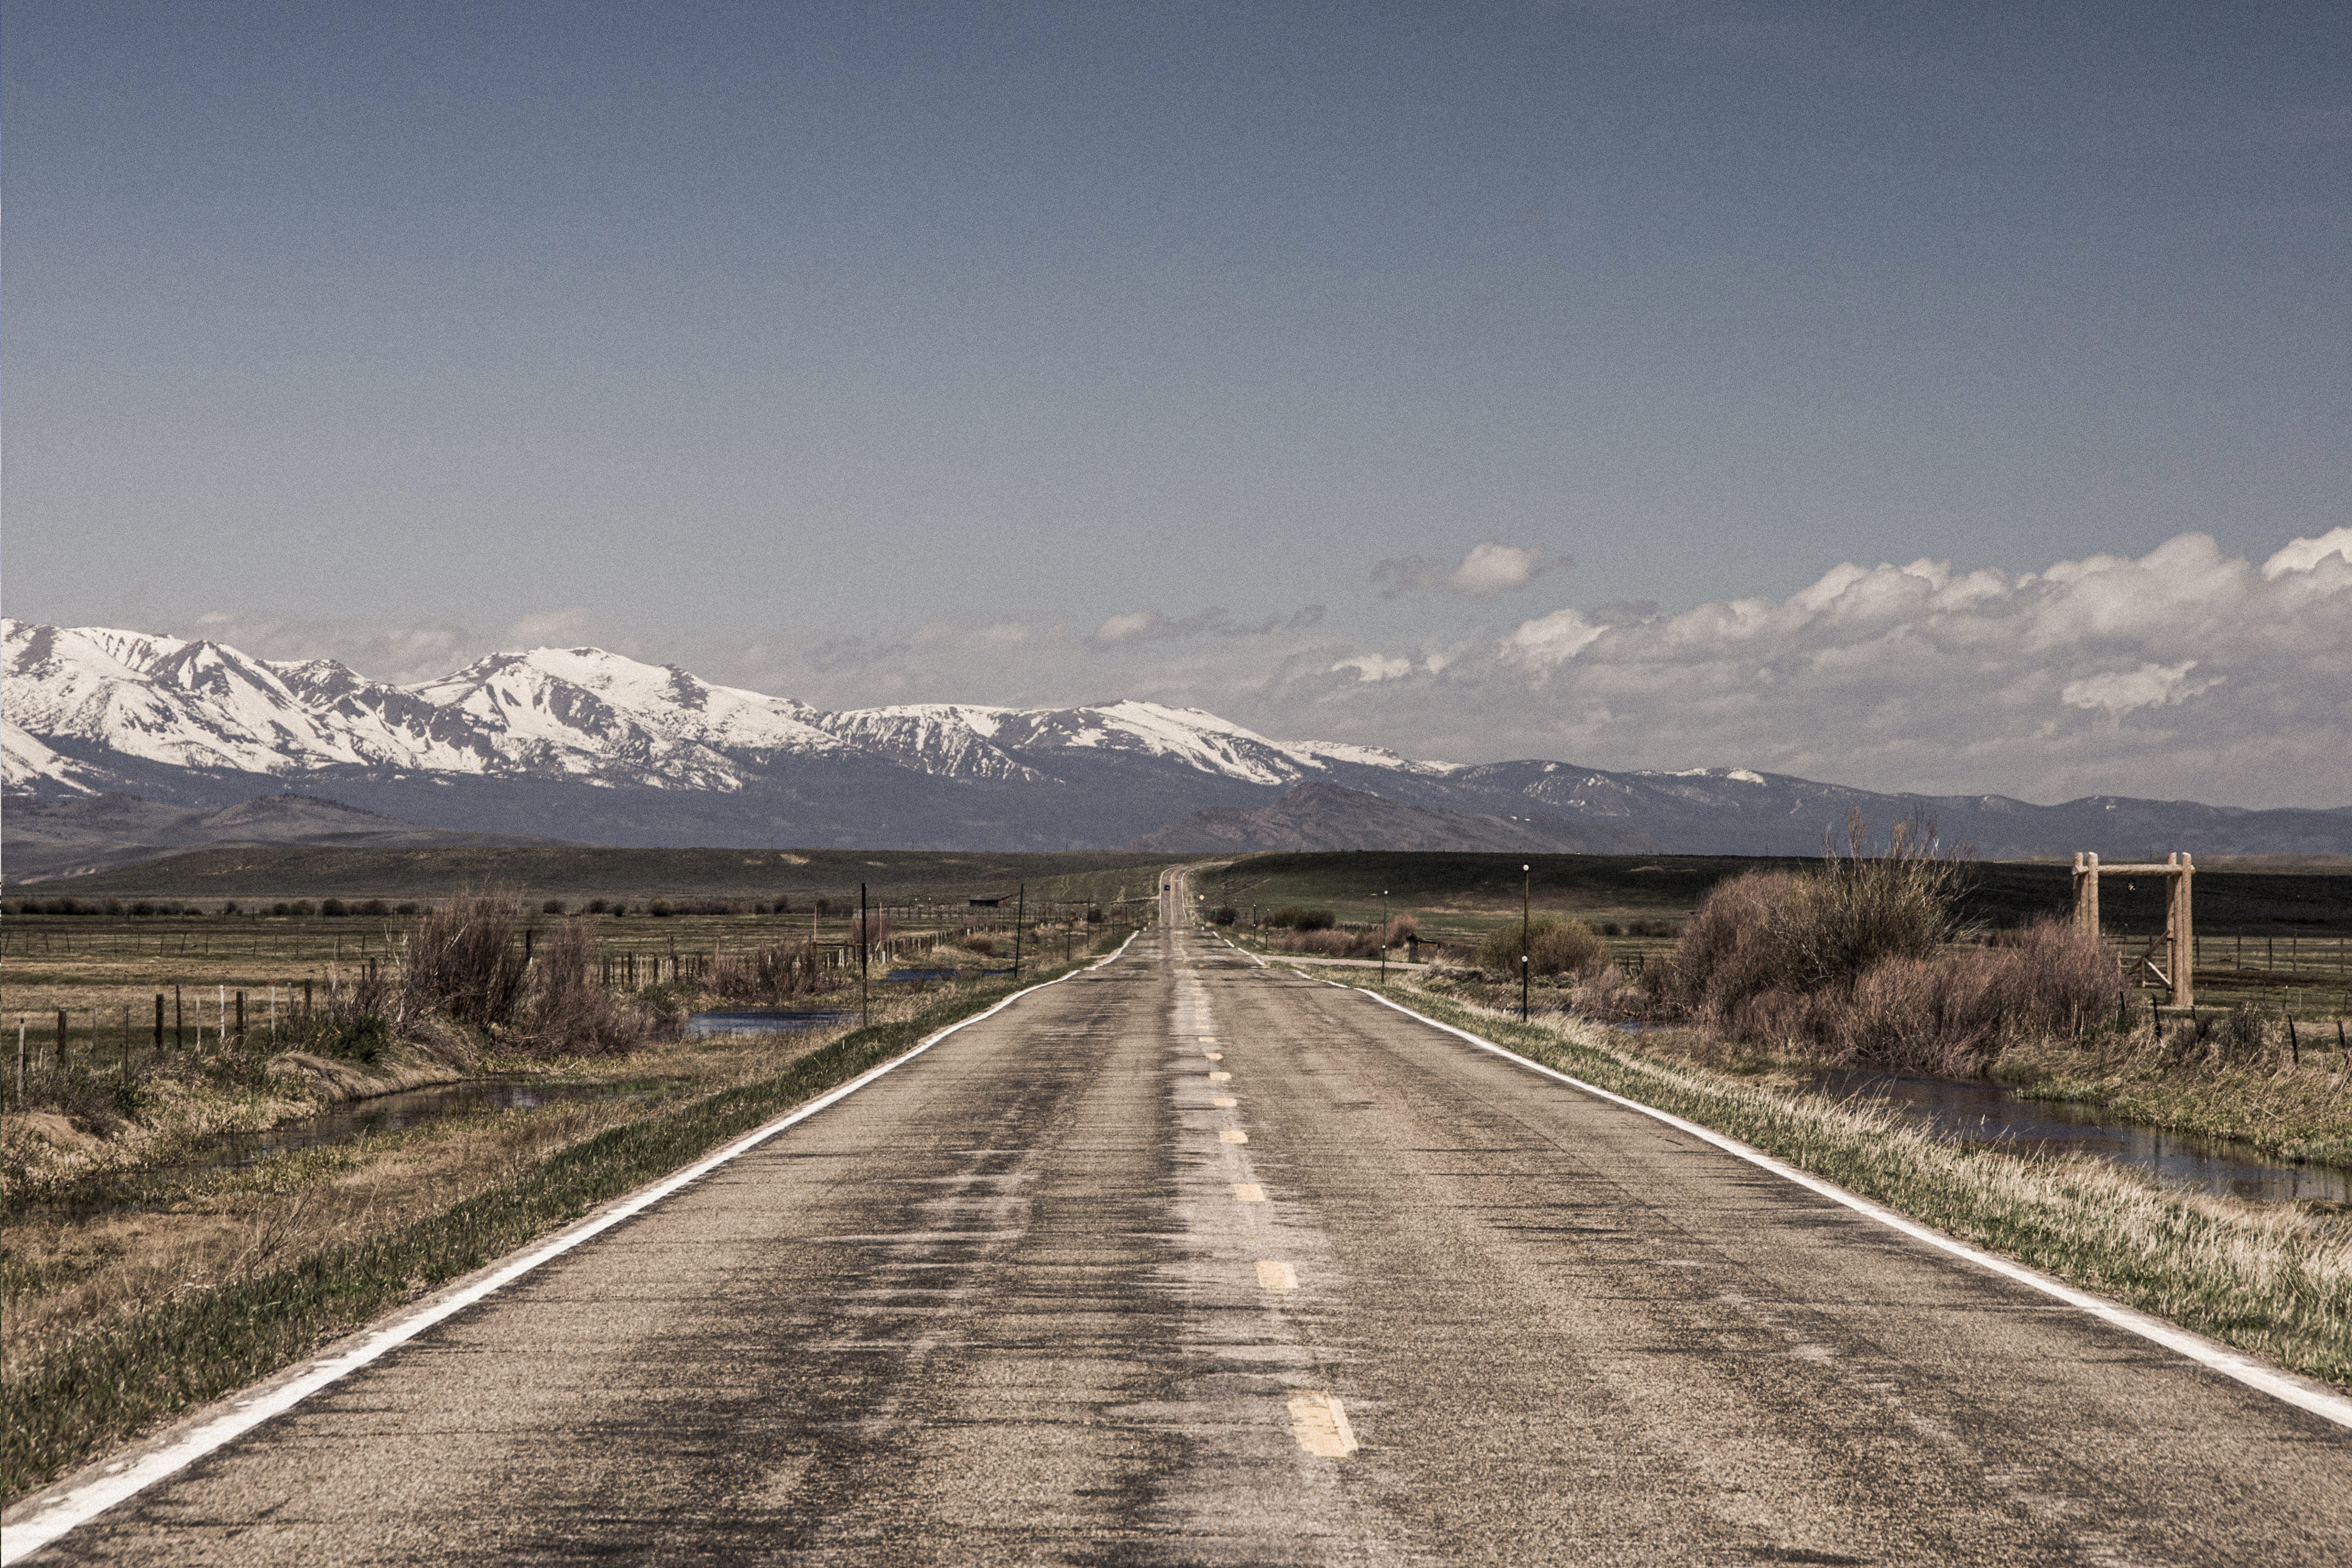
(776, 973)
(466, 961)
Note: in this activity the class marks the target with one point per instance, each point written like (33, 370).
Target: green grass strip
(112, 1383)
(2275, 1282)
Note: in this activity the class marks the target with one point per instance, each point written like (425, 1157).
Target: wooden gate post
(2086, 892)
(2179, 941)
(2182, 927)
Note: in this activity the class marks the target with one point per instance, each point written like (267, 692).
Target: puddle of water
(917, 977)
(758, 1021)
(1986, 1111)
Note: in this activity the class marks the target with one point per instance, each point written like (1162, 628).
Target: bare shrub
(1402, 930)
(775, 973)
(1602, 990)
(570, 1012)
(464, 961)
(1861, 910)
(1726, 953)
(979, 942)
(1949, 1014)
(1298, 917)
(1553, 946)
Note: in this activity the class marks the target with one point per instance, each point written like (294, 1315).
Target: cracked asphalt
(1188, 1261)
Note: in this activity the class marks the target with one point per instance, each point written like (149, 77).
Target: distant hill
(1325, 816)
(44, 840)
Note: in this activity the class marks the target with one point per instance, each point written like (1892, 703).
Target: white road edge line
(44, 1516)
(2302, 1393)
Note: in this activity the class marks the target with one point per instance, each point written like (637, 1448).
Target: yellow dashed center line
(1273, 1276)
(1248, 1193)
(1225, 1102)
(1214, 1056)
(1221, 1078)
(1233, 1135)
(1319, 1422)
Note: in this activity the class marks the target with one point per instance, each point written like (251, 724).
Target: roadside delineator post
(1525, 941)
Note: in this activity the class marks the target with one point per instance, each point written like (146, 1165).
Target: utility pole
(1384, 939)
(1019, 906)
(1524, 941)
(863, 1017)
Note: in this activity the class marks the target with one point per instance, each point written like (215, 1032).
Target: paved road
(1188, 1261)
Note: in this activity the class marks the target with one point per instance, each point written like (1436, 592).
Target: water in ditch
(748, 1021)
(1987, 1112)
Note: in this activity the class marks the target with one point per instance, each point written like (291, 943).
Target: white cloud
(2183, 673)
(1489, 568)
(380, 650)
(1552, 639)
(2120, 691)
(1375, 667)
(566, 627)
(1131, 626)
(2304, 554)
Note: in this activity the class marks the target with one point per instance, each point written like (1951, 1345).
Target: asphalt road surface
(1187, 1261)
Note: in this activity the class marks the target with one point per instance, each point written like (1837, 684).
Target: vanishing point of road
(1186, 1261)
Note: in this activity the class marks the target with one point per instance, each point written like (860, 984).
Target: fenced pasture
(2278, 940)
(116, 994)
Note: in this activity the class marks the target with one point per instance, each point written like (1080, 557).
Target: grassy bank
(143, 1365)
(2298, 1110)
(2273, 1280)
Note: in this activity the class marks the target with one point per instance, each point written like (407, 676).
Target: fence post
(61, 1039)
(240, 1020)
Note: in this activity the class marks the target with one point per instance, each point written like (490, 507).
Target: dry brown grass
(67, 1273)
(570, 1011)
(465, 959)
(772, 974)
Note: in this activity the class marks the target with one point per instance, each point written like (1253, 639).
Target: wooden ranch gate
(2178, 973)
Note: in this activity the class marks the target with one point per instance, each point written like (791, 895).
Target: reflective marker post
(1524, 941)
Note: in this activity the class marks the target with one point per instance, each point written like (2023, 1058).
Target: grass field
(2274, 939)
(106, 973)
(578, 874)
(1486, 887)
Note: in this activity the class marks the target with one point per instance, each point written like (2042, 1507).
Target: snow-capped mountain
(586, 744)
(579, 714)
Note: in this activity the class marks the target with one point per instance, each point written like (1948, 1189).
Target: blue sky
(814, 346)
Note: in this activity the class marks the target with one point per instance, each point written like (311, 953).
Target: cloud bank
(2180, 674)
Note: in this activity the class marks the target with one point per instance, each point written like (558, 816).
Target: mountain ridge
(610, 749)
(1325, 816)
